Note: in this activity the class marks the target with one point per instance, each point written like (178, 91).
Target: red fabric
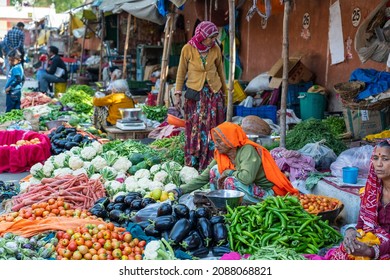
(20, 159)
(204, 30)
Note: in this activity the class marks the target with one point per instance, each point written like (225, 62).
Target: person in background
(201, 62)
(14, 84)
(374, 214)
(100, 113)
(119, 98)
(240, 164)
(55, 71)
(15, 41)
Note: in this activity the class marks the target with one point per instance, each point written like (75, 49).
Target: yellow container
(59, 88)
(238, 92)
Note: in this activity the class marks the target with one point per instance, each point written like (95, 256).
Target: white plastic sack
(259, 83)
(358, 156)
(322, 155)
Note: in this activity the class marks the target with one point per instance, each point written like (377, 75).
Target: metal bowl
(131, 114)
(221, 198)
(253, 137)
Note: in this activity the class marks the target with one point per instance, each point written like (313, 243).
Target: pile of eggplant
(121, 209)
(63, 139)
(8, 190)
(193, 231)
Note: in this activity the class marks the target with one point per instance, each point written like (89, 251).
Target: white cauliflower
(113, 187)
(75, 162)
(142, 173)
(131, 183)
(169, 187)
(144, 183)
(60, 160)
(34, 181)
(99, 163)
(48, 168)
(108, 173)
(62, 171)
(122, 164)
(160, 176)
(75, 151)
(37, 171)
(155, 185)
(98, 147)
(155, 168)
(188, 173)
(80, 171)
(110, 157)
(95, 176)
(88, 153)
(171, 165)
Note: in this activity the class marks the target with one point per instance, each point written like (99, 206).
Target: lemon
(156, 193)
(164, 196)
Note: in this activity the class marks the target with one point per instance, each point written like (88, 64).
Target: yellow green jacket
(114, 102)
(191, 65)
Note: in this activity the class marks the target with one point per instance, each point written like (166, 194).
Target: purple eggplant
(164, 209)
(220, 234)
(181, 211)
(205, 230)
(203, 212)
(192, 241)
(164, 223)
(180, 230)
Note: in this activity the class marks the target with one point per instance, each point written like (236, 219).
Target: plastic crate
(264, 112)
(294, 90)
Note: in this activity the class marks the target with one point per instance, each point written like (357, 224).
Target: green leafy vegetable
(155, 113)
(335, 124)
(311, 131)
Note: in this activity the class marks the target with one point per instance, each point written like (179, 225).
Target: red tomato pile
(53, 207)
(316, 204)
(98, 242)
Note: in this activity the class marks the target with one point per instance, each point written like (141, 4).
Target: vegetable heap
(63, 139)
(278, 221)
(311, 131)
(155, 113)
(79, 100)
(13, 115)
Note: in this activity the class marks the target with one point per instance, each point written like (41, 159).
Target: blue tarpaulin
(375, 81)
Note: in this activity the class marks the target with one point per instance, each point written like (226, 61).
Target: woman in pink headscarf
(374, 215)
(201, 64)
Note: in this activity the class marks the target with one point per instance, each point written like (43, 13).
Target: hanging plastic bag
(322, 155)
(358, 156)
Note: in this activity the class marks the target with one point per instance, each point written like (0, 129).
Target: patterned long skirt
(253, 193)
(201, 116)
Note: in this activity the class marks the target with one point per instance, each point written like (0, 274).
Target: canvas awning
(143, 9)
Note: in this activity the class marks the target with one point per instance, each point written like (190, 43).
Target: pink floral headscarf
(204, 30)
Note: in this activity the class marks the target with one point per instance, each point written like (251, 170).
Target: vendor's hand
(177, 102)
(358, 248)
(221, 181)
(350, 240)
(7, 90)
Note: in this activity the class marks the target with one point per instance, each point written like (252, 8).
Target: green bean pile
(278, 221)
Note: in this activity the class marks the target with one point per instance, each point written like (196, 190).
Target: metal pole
(285, 56)
(126, 46)
(102, 35)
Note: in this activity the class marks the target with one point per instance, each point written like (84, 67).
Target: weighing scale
(126, 124)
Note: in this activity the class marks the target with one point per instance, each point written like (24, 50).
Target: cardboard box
(297, 72)
(361, 123)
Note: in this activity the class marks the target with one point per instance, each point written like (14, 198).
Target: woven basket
(349, 90)
(366, 105)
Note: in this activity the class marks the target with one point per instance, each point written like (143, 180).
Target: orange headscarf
(234, 136)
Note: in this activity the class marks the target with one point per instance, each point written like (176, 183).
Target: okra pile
(279, 220)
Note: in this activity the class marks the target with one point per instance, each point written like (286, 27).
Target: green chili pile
(278, 221)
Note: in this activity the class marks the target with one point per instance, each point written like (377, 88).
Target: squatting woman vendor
(240, 164)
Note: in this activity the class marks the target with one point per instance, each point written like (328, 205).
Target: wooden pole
(102, 35)
(82, 47)
(232, 58)
(126, 46)
(166, 52)
(285, 56)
